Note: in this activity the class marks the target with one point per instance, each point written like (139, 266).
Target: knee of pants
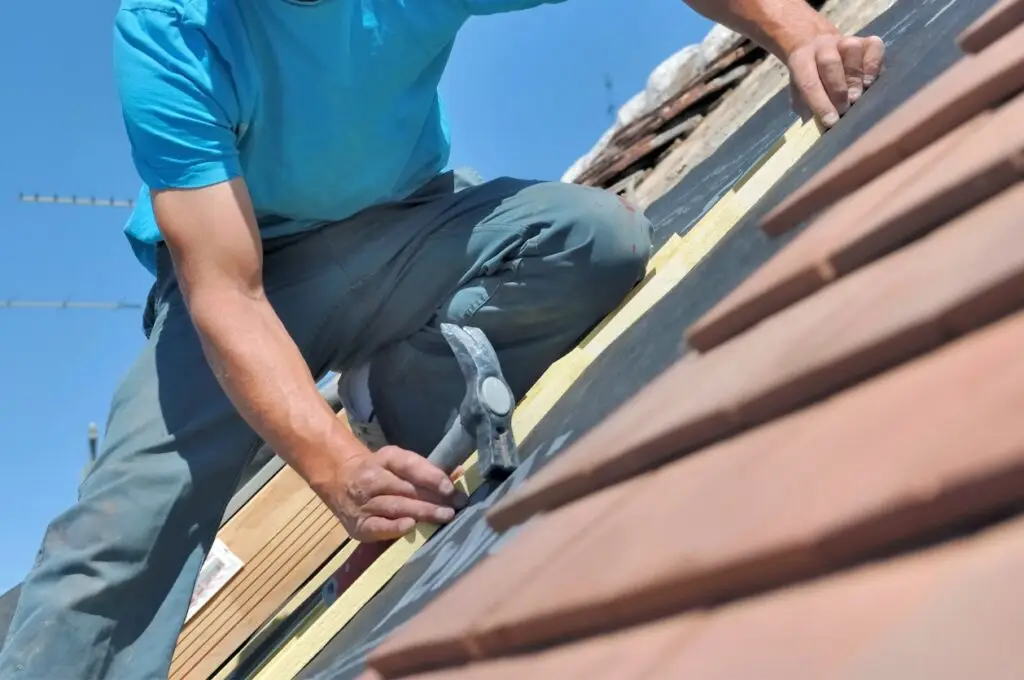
(614, 236)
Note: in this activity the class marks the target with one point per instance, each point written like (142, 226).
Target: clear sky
(525, 94)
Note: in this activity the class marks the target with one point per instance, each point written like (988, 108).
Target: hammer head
(486, 410)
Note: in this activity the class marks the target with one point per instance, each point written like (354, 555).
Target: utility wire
(66, 304)
(77, 200)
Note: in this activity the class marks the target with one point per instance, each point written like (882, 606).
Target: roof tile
(436, 637)
(994, 24)
(625, 655)
(804, 266)
(936, 441)
(967, 88)
(898, 307)
(945, 613)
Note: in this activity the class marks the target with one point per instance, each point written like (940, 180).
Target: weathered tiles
(1000, 19)
(967, 88)
(950, 612)
(960, 276)
(938, 441)
(434, 638)
(967, 166)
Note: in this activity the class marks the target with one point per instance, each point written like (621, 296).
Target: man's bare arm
(829, 72)
(218, 258)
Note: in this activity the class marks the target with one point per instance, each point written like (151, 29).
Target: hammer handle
(453, 449)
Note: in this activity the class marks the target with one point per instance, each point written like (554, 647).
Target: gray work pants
(535, 265)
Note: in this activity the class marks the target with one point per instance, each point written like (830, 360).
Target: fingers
(851, 51)
(417, 470)
(399, 507)
(830, 74)
(807, 79)
(381, 481)
(874, 53)
(833, 78)
(374, 529)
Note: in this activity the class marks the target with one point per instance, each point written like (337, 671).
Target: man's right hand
(218, 258)
(381, 496)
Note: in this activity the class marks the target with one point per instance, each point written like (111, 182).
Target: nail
(868, 80)
(406, 525)
(446, 487)
(830, 119)
(855, 94)
(444, 514)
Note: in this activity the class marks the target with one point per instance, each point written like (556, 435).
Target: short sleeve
(480, 7)
(179, 105)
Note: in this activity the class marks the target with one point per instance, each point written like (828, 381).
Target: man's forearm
(780, 26)
(260, 368)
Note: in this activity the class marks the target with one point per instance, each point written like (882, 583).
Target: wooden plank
(251, 488)
(304, 595)
(287, 561)
(958, 277)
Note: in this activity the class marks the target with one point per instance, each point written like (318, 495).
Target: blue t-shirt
(325, 107)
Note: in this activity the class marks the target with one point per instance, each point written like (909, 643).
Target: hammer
(484, 421)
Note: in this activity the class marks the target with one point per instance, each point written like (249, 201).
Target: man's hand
(218, 259)
(829, 74)
(380, 496)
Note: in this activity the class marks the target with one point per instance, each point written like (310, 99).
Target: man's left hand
(830, 73)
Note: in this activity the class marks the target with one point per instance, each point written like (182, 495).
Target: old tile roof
(831, 484)
(718, 84)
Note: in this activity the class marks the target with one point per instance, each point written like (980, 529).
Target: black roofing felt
(919, 35)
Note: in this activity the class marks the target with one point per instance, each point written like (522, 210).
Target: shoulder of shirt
(191, 11)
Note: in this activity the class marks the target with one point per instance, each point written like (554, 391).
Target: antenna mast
(93, 201)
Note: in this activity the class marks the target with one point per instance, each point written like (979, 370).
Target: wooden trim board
(302, 596)
(667, 268)
(281, 536)
(251, 488)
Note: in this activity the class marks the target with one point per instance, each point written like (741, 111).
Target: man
(297, 218)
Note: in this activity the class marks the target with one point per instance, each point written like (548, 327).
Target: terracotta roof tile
(807, 263)
(880, 315)
(953, 611)
(994, 24)
(437, 636)
(896, 458)
(631, 654)
(967, 88)
(970, 164)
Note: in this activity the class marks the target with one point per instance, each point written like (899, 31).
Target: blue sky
(525, 94)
